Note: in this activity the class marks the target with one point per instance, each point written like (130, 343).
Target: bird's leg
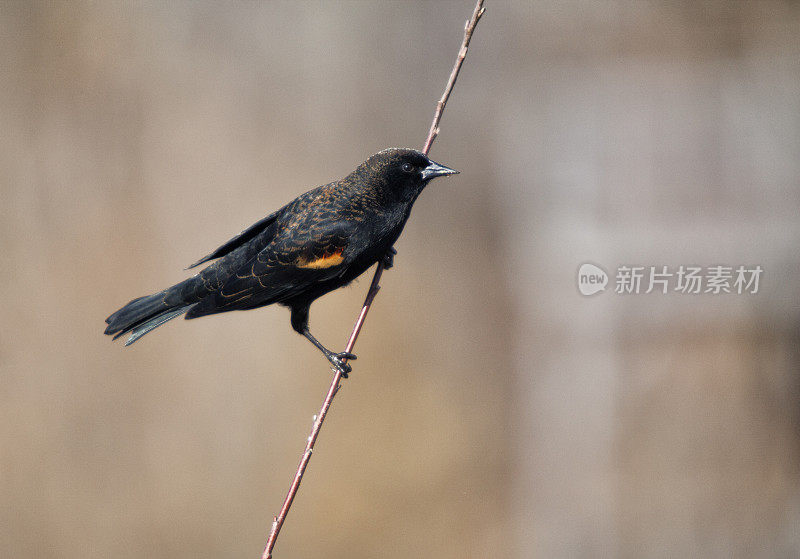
(300, 325)
(388, 258)
(336, 359)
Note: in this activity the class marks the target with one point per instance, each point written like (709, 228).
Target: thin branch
(277, 522)
(469, 28)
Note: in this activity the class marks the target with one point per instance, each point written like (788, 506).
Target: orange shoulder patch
(327, 260)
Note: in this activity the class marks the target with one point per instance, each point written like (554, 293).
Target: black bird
(320, 241)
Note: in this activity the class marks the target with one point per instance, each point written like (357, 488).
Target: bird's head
(403, 172)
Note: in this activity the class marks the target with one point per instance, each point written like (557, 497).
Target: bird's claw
(337, 359)
(388, 258)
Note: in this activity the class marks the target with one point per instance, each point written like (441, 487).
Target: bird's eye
(407, 167)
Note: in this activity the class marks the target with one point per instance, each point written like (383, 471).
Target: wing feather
(290, 264)
(247, 235)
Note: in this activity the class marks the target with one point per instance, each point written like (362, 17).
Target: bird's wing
(295, 260)
(248, 234)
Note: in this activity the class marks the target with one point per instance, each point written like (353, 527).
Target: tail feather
(143, 328)
(142, 315)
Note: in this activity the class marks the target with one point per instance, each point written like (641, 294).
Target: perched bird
(320, 241)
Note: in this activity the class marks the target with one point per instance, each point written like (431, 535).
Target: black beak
(434, 170)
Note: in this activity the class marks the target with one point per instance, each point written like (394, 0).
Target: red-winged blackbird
(322, 240)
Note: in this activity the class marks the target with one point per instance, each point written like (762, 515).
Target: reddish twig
(469, 27)
(277, 522)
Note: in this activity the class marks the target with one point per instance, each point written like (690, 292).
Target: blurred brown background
(493, 411)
